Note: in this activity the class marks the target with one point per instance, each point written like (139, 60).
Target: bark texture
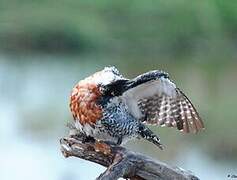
(121, 162)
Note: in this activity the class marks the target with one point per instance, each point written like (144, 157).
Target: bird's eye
(104, 89)
(101, 87)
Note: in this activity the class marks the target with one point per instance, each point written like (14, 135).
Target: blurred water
(33, 114)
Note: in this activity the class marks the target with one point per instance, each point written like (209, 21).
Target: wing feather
(159, 102)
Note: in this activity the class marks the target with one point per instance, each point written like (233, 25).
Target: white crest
(107, 75)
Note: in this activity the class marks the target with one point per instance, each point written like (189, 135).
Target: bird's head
(86, 94)
(107, 76)
(109, 81)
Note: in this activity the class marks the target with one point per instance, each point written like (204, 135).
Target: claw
(88, 139)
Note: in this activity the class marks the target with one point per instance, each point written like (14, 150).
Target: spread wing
(154, 99)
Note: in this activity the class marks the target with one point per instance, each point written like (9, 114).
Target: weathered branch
(122, 162)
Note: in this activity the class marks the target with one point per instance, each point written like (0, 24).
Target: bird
(108, 107)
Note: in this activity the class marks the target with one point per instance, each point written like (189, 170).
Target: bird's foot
(82, 137)
(88, 139)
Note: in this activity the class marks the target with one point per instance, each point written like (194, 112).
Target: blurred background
(46, 47)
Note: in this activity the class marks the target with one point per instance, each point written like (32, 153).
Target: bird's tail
(146, 133)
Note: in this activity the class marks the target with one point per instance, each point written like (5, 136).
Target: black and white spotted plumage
(171, 112)
(121, 126)
(127, 106)
(154, 99)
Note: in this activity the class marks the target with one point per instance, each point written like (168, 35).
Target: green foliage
(166, 29)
